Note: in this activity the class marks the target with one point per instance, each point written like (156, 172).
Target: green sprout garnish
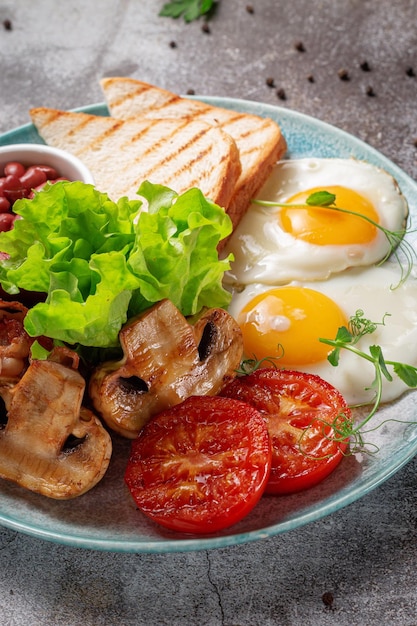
(347, 338)
(248, 366)
(327, 200)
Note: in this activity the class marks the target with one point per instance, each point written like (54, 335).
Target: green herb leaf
(321, 198)
(376, 352)
(344, 335)
(407, 373)
(334, 357)
(190, 9)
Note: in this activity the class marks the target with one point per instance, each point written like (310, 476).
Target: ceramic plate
(106, 517)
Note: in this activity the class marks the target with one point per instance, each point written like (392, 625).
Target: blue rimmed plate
(106, 517)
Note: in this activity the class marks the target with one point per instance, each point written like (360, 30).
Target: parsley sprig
(190, 9)
(347, 338)
(327, 200)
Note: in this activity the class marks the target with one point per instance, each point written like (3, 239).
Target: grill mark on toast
(138, 91)
(134, 139)
(95, 144)
(47, 115)
(51, 116)
(202, 111)
(240, 137)
(244, 134)
(199, 157)
(250, 150)
(232, 119)
(161, 141)
(173, 155)
(84, 120)
(83, 123)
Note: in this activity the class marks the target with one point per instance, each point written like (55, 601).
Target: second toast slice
(259, 139)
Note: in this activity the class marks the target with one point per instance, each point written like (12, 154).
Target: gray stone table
(350, 63)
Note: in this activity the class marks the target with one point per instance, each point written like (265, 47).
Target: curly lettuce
(100, 262)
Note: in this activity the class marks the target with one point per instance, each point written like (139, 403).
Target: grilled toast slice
(259, 140)
(178, 153)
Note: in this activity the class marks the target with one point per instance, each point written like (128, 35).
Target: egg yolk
(325, 226)
(287, 322)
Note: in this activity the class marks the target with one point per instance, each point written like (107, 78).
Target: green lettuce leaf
(100, 262)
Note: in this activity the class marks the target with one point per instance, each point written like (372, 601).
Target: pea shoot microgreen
(190, 9)
(347, 339)
(248, 366)
(327, 200)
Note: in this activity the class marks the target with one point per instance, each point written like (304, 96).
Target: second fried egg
(286, 323)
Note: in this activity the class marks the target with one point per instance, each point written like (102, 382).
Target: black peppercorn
(327, 598)
(281, 94)
(343, 74)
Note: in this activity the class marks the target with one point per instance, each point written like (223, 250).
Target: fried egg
(275, 245)
(287, 321)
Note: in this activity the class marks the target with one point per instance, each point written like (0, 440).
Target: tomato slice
(304, 415)
(201, 465)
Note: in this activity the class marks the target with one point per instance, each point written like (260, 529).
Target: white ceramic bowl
(67, 165)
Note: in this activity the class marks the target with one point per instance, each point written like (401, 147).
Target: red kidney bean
(16, 194)
(51, 173)
(4, 204)
(33, 177)
(14, 168)
(6, 221)
(12, 183)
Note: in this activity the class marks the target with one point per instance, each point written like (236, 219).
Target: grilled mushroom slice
(166, 359)
(49, 443)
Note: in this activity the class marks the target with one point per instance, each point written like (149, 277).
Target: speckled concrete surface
(357, 566)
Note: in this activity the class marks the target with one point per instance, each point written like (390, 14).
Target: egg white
(371, 290)
(264, 252)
